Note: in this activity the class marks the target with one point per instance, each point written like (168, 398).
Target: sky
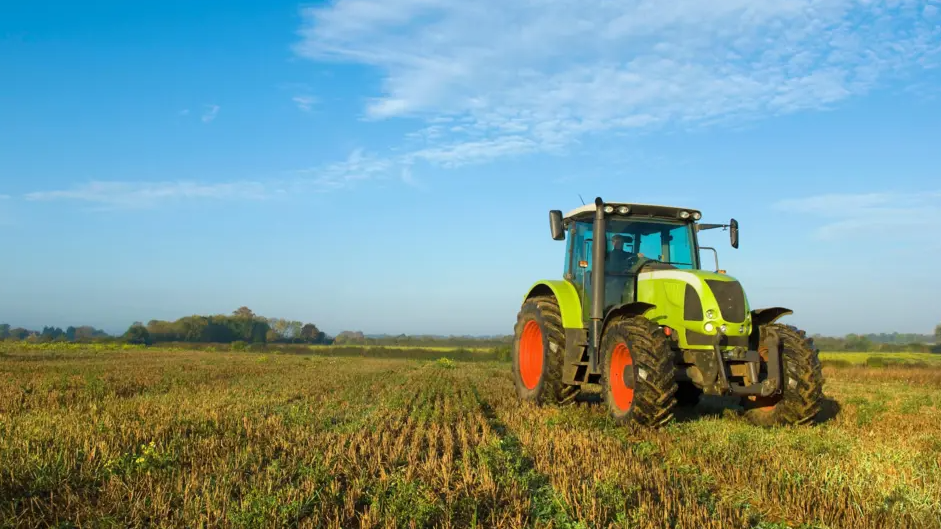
(387, 165)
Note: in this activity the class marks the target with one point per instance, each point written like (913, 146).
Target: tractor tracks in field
(510, 465)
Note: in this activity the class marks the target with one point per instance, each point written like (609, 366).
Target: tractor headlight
(609, 209)
(709, 326)
(711, 314)
(684, 214)
(741, 329)
(624, 210)
(723, 328)
(697, 215)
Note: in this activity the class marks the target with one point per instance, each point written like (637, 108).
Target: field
(172, 438)
(881, 359)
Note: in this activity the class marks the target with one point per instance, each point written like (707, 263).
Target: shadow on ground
(829, 410)
(716, 406)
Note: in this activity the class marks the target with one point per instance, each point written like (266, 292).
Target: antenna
(582, 199)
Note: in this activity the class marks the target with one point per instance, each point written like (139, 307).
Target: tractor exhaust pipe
(599, 245)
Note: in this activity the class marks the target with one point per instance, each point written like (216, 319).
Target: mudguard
(635, 308)
(569, 303)
(768, 315)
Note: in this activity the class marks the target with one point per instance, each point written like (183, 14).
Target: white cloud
(409, 179)
(845, 215)
(358, 166)
(516, 77)
(210, 114)
(147, 194)
(305, 103)
(184, 112)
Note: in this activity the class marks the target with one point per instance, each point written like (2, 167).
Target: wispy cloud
(304, 103)
(357, 167)
(845, 215)
(409, 179)
(109, 195)
(132, 195)
(4, 197)
(210, 113)
(511, 78)
(184, 112)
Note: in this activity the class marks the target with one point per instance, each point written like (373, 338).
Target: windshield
(664, 241)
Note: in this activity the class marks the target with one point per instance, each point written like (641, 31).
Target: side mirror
(733, 233)
(555, 225)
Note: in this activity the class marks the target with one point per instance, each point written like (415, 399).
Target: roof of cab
(637, 210)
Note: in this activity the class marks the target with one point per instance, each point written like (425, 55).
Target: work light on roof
(684, 214)
(609, 209)
(697, 215)
(624, 210)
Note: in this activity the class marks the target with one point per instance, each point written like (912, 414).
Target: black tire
(803, 382)
(687, 394)
(652, 374)
(544, 387)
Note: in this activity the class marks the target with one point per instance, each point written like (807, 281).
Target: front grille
(692, 305)
(696, 338)
(731, 299)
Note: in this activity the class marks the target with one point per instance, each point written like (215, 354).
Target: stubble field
(157, 438)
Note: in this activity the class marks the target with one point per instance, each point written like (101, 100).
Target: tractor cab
(637, 238)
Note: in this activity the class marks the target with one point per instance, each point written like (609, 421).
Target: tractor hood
(692, 299)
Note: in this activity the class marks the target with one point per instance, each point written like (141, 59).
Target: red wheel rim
(621, 360)
(531, 354)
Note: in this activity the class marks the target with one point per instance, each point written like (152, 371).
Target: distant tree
(137, 334)
(50, 334)
(260, 331)
(286, 330)
(350, 337)
(19, 333)
(311, 334)
(195, 328)
(855, 342)
(937, 334)
(4, 331)
(87, 333)
(243, 312)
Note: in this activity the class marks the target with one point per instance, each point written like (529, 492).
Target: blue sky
(387, 165)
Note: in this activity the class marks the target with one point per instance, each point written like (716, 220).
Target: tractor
(637, 318)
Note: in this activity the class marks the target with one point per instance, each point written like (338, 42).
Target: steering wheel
(639, 261)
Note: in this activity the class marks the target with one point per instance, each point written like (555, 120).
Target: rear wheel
(638, 377)
(538, 352)
(799, 401)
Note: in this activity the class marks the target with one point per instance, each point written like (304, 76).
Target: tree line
(84, 333)
(243, 325)
(884, 342)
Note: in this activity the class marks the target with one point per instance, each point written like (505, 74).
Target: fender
(569, 303)
(768, 315)
(635, 308)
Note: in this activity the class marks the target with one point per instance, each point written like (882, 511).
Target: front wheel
(638, 376)
(799, 400)
(538, 352)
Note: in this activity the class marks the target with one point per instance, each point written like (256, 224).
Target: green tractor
(639, 317)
